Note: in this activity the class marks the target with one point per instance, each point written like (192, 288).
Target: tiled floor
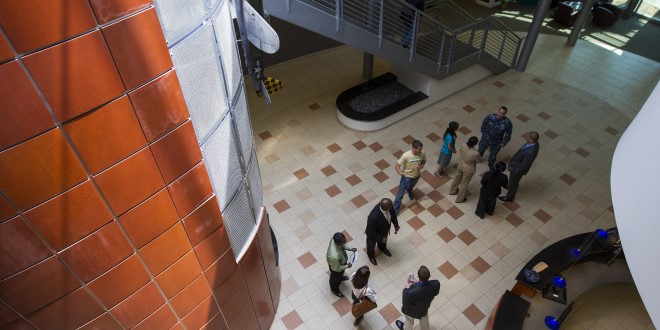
(320, 177)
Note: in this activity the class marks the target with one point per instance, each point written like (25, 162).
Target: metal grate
(179, 18)
(239, 220)
(242, 118)
(225, 37)
(254, 182)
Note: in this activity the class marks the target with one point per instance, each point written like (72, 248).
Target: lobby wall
(111, 214)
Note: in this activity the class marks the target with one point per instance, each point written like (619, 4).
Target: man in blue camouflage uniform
(495, 134)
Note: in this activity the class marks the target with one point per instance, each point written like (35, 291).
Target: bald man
(379, 223)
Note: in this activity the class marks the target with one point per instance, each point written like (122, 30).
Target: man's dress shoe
(504, 199)
(373, 260)
(345, 278)
(338, 294)
(387, 253)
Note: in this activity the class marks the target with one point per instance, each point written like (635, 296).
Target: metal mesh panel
(178, 17)
(242, 118)
(225, 36)
(222, 161)
(198, 69)
(239, 220)
(254, 182)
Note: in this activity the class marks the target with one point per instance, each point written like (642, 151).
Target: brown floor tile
(467, 237)
(544, 115)
(328, 170)
(551, 134)
(537, 80)
(334, 148)
(415, 207)
(446, 234)
(512, 206)
(265, 135)
(307, 259)
(542, 215)
(348, 236)
(416, 223)
(382, 164)
(522, 118)
(435, 196)
(359, 145)
(301, 174)
(375, 146)
(569, 180)
(281, 206)
(381, 177)
(390, 313)
(353, 180)
(435, 210)
(455, 212)
(342, 306)
(584, 199)
(482, 101)
(480, 265)
(499, 84)
(514, 219)
(397, 154)
(464, 130)
(314, 106)
(292, 320)
(582, 152)
(448, 270)
(359, 201)
(333, 191)
(469, 109)
(433, 137)
(611, 130)
(474, 314)
(408, 139)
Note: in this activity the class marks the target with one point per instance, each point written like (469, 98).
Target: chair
(606, 14)
(565, 14)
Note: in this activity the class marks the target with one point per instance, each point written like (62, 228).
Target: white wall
(636, 198)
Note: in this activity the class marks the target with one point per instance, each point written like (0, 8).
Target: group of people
(496, 132)
(418, 293)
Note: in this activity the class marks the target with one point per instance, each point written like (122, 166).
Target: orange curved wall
(107, 216)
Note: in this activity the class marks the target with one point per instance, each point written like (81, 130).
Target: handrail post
(338, 14)
(452, 49)
(499, 55)
(442, 48)
(483, 41)
(413, 37)
(381, 19)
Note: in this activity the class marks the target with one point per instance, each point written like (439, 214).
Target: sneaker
(399, 324)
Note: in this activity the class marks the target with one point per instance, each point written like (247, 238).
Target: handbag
(363, 305)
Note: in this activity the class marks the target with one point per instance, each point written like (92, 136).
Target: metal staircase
(445, 38)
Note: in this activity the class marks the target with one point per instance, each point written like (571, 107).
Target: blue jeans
(405, 185)
(494, 149)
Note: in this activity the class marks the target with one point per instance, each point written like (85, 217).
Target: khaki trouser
(410, 323)
(459, 185)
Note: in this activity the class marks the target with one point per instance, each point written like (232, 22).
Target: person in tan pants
(467, 166)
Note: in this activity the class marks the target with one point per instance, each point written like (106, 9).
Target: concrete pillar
(532, 35)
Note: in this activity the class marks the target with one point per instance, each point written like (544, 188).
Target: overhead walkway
(445, 39)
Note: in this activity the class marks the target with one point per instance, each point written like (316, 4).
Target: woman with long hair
(361, 288)
(448, 148)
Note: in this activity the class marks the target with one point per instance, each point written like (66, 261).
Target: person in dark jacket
(416, 300)
(379, 222)
(520, 164)
(491, 186)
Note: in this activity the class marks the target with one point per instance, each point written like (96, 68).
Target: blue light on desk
(575, 252)
(559, 281)
(551, 322)
(601, 233)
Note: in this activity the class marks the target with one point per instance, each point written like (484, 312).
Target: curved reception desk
(556, 276)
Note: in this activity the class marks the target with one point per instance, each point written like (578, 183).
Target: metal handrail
(443, 33)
